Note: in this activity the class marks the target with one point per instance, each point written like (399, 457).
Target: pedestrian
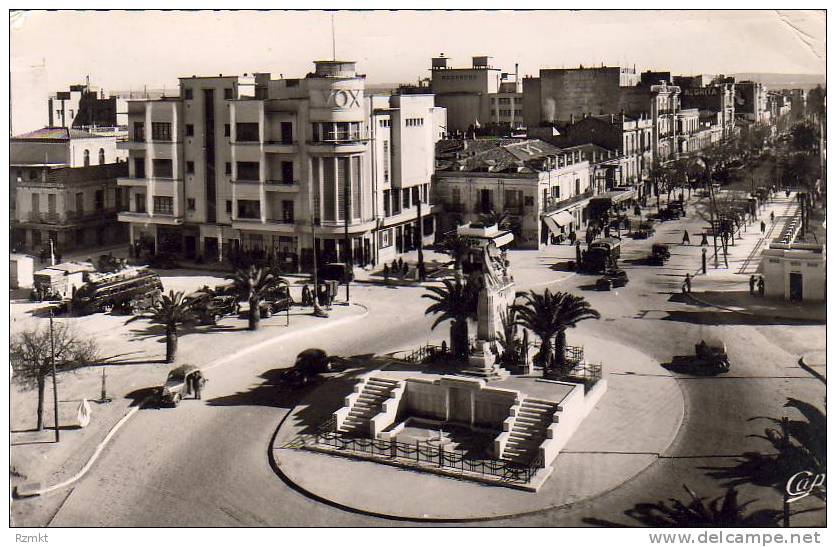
(772, 217)
(704, 261)
(400, 263)
(405, 270)
(306, 296)
(572, 237)
(704, 241)
(752, 282)
(761, 286)
(386, 273)
(763, 227)
(688, 282)
(686, 239)
(637, 211)
(198, 384)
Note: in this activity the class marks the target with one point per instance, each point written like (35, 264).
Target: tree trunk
(546, 355)
(41, 389)
(459, 339)
(170, 343)
(254, 314)
(560, 349)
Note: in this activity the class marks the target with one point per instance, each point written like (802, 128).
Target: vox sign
(341, 98)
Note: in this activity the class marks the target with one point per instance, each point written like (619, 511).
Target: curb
(811, 370)
(27, 493)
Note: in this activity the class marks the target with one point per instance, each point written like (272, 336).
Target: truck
(602, 254)
(129, 290)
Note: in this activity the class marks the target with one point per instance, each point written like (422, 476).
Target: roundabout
(615, 443)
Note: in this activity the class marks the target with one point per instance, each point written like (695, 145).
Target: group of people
(324, 296)
(757, 280)
(399, 268)
(686, 239)
(44, 255)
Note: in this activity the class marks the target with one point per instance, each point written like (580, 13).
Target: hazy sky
(121, 50)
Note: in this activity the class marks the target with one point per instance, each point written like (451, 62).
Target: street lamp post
(54, 379)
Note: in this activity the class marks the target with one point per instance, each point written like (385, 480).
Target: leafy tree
(253, 283)
(30, 356)
(500, 219)
(804, 137)
(548, 315)
(171, 311)
(456, 302)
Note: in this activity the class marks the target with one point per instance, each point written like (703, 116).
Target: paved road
(206, 463)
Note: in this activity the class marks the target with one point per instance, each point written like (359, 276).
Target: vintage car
(712, 355)
(659, 252)
(611, 279)
(275, 301)
(309, 364)
(178, 384)
(210, 309)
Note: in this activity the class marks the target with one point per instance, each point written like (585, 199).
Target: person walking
(688, 282)
(763, 227)
(197, 378)
(772, 217)
(686, 239)
(386, 273)
(704, 241)
(752, 283)
(761, 286)
(306, 296)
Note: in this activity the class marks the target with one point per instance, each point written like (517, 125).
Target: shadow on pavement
(732, 318)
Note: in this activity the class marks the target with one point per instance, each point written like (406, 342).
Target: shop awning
(556, 220)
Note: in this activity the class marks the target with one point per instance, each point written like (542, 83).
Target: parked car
(275, 301)
(178, 385)
(210, 309)
(611, 279)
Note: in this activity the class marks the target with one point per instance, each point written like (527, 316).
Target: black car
(212, 308)
(611, 279)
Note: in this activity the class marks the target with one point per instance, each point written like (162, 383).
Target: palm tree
(508, 337)
(171, 311)
(253, 283)
(455, 302)
(501, 219)
(724, 511)
(457, 246)
(548, 315)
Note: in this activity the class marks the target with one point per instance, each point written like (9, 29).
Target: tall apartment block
(256, 164)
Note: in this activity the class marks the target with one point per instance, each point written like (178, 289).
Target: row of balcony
(69, 216)
(518, 210)
(553, 204)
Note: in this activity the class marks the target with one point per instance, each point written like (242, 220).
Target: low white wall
(389, 412)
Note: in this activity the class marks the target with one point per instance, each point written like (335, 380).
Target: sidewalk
(625, 433)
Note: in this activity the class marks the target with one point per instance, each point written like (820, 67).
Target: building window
(189, 167)
(287, 132)
(163, 205)
(406, 195)
(139, 131)
(247, 170)
(287, 172)
(98, 200)
(163, 169)
(228, 207)
(139, 202)
(529, 201)
(387, 204)
(101, 156)
(190, 204)
(86, 158)
(249, 208)
(161, 131)
(287, 211)
(139, 168)
(187, 93)
(228, 168)
(228, 93)
(189, 130)
(246, 132)
(385, 238)
(227, 130)
(396, 201)
(414, 122)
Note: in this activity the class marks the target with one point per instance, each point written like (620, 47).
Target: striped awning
(556, 220)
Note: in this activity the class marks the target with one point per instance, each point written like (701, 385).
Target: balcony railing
(46, 218)
(553, 204)
(90, 215)
(281, 182)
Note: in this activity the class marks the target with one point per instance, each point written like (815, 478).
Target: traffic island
(616, 441)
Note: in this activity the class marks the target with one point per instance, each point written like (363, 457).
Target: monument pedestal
(482, 363)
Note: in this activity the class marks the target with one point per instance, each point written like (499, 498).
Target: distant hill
(783, 81)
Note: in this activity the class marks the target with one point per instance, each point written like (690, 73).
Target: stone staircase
(529, 430)
(368, 404)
